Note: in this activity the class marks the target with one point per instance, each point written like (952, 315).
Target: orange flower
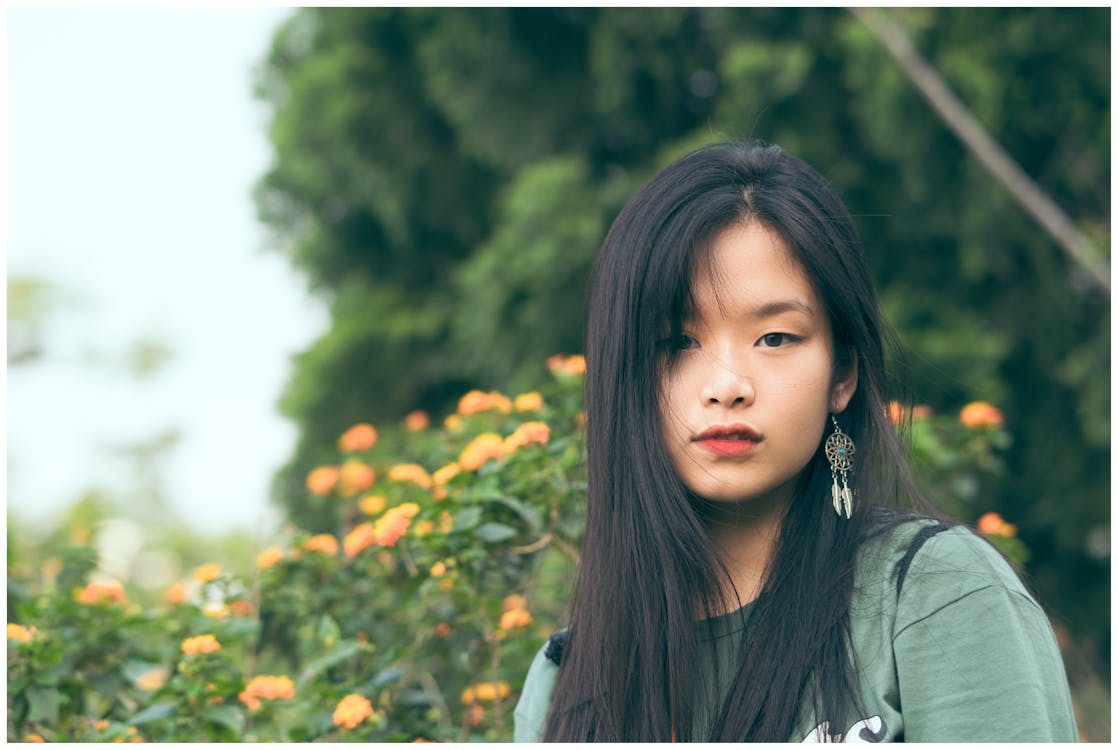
(388, 529)
(453, 423)
(101, 725)
(573, 365)
(207, 572)
(266, 687)
(176, 593)
(352, 710)
(423, 528)
(322, 480)
(355, 477)
(33, 737)
(359, 539)
(20, 633)
(476, 402)
(515, 618)
(485, 446)
(324, 543)
(446, 522)
(530, 401)
(993, 524)
(437, 570)
(487, 692)
(474, 715)
(360, 437)
(525, 434)
(413, 473)
(445, 474)
(200, 644)
(442, 630)
(981, 414)
(102, 592)
(417, 421)
(513, 601)
(241, 607)
(370, 505)
(269, 557)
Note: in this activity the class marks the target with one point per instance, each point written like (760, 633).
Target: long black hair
(649, 569)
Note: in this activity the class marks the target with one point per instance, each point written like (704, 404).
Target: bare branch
(957, 117)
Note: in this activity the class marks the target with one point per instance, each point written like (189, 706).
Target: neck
(744, 535)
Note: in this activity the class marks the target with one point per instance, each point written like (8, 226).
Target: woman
(746, 573)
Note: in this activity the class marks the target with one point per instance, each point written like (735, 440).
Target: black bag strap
(554, 648)
(922, 536)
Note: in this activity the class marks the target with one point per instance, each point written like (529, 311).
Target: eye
(773, 340)
(678, 343)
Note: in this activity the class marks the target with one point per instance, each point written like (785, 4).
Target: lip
(732, 440)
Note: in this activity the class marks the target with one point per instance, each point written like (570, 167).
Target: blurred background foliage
(444, 177)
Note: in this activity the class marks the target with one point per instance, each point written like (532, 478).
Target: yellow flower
(352, 710)
(423, 528)
(437, 570)
(446, 522)
(416, 421)
(269, 557)
(32, 737)
(322, 480)
(207, 572)
(324, 543)
(484, 447)
(445, 474)
(370, 505)
(981, 414)
(525, 434)
(151, 680)
(200, 644)
(530, 401)
(102, 592)
(413, 473)
(513, 601)
(20, 633)
(453, 423)
(266, 687)
(360, 437)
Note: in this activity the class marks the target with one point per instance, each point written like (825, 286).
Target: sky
(133, 143)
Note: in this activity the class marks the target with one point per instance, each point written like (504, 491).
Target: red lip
(729, 439)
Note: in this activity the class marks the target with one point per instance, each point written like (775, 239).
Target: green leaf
(530, 515)
(466, 519)
(339, 653)
(153, 713)
(44, 704)
(328, 631)
(229, 717)
(494, 532)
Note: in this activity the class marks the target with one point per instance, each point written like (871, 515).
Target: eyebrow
(776, 307)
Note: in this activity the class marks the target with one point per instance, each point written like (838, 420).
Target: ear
(846, 382)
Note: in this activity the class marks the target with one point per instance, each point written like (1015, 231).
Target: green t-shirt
(964, 655)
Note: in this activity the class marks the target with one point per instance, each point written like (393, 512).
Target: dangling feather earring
(839, 450)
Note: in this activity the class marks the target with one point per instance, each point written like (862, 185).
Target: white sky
(133, 143)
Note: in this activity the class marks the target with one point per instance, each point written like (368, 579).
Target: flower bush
(448, 566)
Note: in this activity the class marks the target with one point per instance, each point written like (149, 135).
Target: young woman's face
(746, 400)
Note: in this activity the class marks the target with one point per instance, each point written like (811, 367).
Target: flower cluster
(266, 687)
(981, 414)
(994, 524)
(485, 692)
(476, 402)
(323, 543)
(102, 592)
(385, 531)
(352, 710)
(21, 633)
(561, 365)
(200, 644)
(360, 437)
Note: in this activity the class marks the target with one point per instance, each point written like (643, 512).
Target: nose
(727, 384)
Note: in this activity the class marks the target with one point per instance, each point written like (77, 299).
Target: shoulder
(530, 717)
